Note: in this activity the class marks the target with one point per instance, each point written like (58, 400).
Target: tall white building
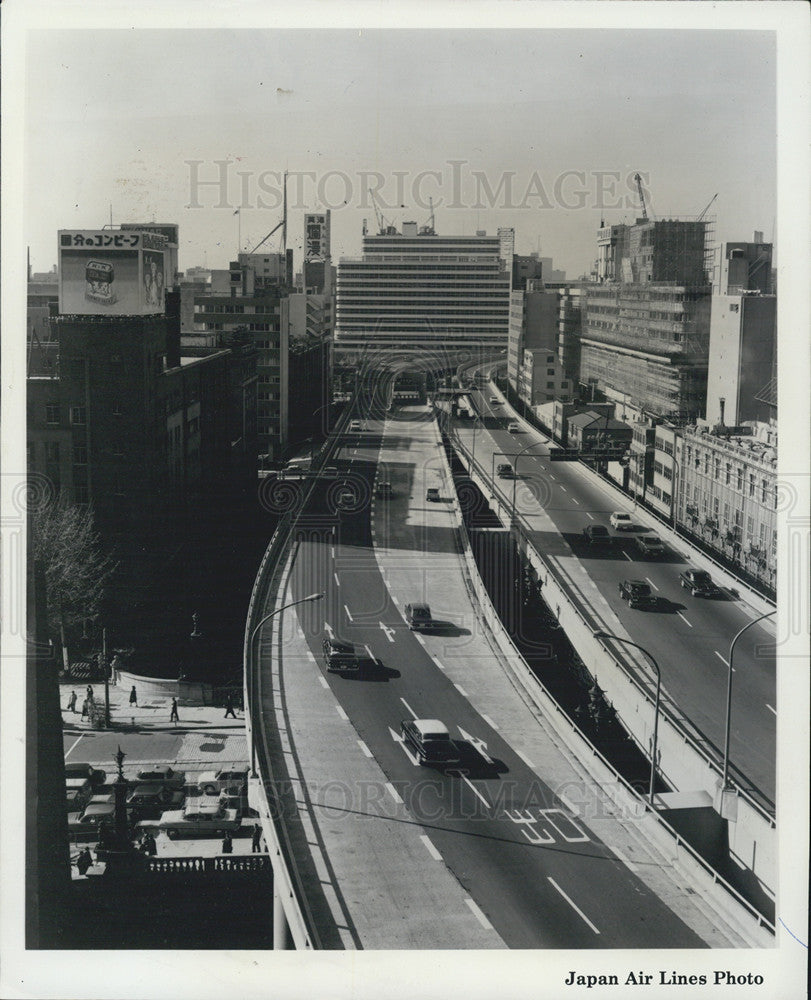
(419, 292)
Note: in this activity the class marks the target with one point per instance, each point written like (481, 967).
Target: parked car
(354, 425)
(95, 775)
(163, 774)
(430, 741)
(432, 494)
(78, 792)
(93, 816)
(504, 470)
(340, 657)
(345, 497)
(226, 781)
(383, 490)
(636, 592)
(203, 816)
(495, 401)
(514, 427)
(418, 617)
(621, 521)
(650, 546)
(597, 534)
(699, 583)
(149, 800)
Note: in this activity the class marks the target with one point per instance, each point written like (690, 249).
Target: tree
(63, 537)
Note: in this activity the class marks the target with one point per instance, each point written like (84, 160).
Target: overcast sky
(114, 117)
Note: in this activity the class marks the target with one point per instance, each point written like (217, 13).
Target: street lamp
(532, 444)
(608, 635)
(725, 779)
(278, 611)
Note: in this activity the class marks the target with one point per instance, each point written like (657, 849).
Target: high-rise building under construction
(646, 320)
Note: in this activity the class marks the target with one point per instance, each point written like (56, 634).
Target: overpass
(533, 841)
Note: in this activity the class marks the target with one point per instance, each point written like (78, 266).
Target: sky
(539, 129)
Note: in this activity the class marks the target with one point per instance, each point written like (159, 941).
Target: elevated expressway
(522, 846)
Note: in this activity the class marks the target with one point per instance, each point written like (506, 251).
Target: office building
(746, 267)
(416, 292)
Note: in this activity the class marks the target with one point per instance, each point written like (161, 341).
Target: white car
(203, 816)
(232, 781)
(354, 425)
(495, 401)
(513, 427)
(620, 521)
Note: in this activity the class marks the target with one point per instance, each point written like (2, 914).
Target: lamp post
(725, 778)
(608, 635)
(533, 444)
(278, 611)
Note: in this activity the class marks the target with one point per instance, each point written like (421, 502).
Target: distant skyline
(518, 128)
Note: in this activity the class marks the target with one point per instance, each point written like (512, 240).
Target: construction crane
(280, 225)
(709, 205)
(429, 229)
(638, 180)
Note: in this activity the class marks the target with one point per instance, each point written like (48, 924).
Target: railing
(207, 866)
(573, 736)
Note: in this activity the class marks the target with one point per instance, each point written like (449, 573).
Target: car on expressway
(504, 470)
(340, 657)
(201, 816)
(495, 401)
(430, 741)
(597, 534)
(354, 425)
(621, 521)
(650, 546)
(432, 494)
(699, 583)
(636, 592)
(383, 490)
(514, 427)
(418, 617)
(164, 775)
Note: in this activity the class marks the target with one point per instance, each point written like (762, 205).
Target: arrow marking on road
(328, 629)
(389, 631)
(348, 613)
(577, 909)
(399, 739)
(480, 745)
(410, 710)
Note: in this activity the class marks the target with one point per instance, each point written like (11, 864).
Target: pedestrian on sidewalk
(227, 844)
(72, 702)
(84, 861)
(174, 717)
(90, 696)
(133, 696)
(256, 838)
(84, 709)
(229, 707)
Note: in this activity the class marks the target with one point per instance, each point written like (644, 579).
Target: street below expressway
(534, 871)
(688, 636)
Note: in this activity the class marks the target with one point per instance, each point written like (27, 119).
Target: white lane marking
(525, 759)
(332, 551)
(589, 516)
(323, 680)
(430, 848)
(366, 751)
(419, 638)
(310, 656)
(337, 581)
(770, 708)
(369, 653)
(393, 793)
(73, 745)
(437, 662)
(568, 804)
(564, 489)
(725, 662)
(551, 476)
(348, 613)
(410, 709)
(477, 913)
(476, 792)
(489, 722)
(575, 501)
(461, 690)
(342, 713)
(395, 599)
(683, 618)
(389, 631)
(651, 583)
(627, 557)
(573, 906)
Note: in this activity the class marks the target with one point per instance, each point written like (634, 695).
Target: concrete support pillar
(281, 931)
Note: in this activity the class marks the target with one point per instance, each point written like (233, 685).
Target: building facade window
(79, 454)
(728, 474)
(739, 482)
(52, 414)
(751, 485)
(52, 452)
(78, 416)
